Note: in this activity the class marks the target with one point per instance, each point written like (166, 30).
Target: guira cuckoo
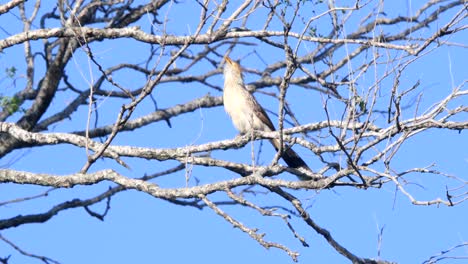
(247, 114)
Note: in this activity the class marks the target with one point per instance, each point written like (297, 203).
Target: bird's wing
(260, 112)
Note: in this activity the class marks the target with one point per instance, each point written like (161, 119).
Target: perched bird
(247, 114)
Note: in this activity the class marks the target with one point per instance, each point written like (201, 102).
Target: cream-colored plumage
(247, 114)
(239, 103)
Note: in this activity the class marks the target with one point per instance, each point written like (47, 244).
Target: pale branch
(114, 151)
(163, 114)
(361, 32)
(10, 5)
(450, 199)
(139, 35)
(267, 212)
(337, 61)
(68, 181)
(206, 101)
(127, 110)
(180, 153)
(77, 203)
(253, 233)
(320, 230)
(48, 85)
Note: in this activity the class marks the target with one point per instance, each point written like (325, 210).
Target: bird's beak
(227, 59)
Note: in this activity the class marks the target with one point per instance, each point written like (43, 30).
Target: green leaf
(11, 72)
(10, 104)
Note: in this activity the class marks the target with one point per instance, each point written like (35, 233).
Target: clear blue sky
(141, 229)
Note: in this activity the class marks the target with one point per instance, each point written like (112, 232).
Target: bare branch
(251, 232)
(44, 259)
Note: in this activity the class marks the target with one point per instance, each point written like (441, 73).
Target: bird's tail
(292, 158)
